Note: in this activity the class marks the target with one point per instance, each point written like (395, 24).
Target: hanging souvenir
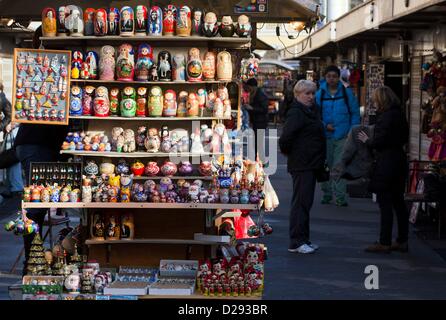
(183, 25)
(49, 24)
(156, 102)
(144, 62)
(193, 109)
(164, 66)
(224, 66)
(114, 102)
(170, 104)
(74, 22)
(100, 23)
(101, 102)
(92, 61)
(218, 108)
(194, 66)
(179, 67)
(140, 20)
(169, 20)
(210, 25)
(113, 21)
(197, 22)
(243, 26)
(155, 25)
(141, 102)
(227, 109)
(128, 103)
(202, 97)
(89, 21)
(222, 92)
(76, 64)
(127, 227)
(227, 28)
(249, 67)
(76, 101)
(87, 101)
(62, 15)
(182, 104)
(125, 64)
(107, 63)
(126, 25)
(209, 66)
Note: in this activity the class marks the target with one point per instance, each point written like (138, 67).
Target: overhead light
(297, 25)
(6, 22)
(10, 22)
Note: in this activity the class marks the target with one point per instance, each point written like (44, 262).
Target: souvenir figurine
(197, 146)
(184, 23)
(227, 28)
(223, 92)
(194, 66)
(114, 102)
(113, 21)
(141, 134)
(89, 21)
(74, 22)
(85, 73)
(155, 23)
(127, 227)
(141, 20)
(129, 141)
(185, 168)
(107, 63)
(169, 169)
(227, 109)
(87, 101)
(156, 102)
(218, 109)
(164, 66)
(125, 64)
(126, 183)
(169, 20)
(137, 168)
(107, 168)
(117, 139)
(209, 66)
(72, 283)
(179, 67)
(126, 25)
(152, 169)
(76, 64)
(141, 102)
(100, 23)
(166, 142)
(92, 61)
(122, 168)
(153, 73)
(244, 28)
(144, 62)
(112, 228)
(224, 66)
(76, 101)
(101, 102)
(244, 197)
(170, 104)
(61, 17)
(249, 68)
(182, 104)
(197, 22)
(49, 24)
(128, 103)
(86, 190)
(152, 142)
(193, 110)
(210, 25)
(202, 97)
(224, 196)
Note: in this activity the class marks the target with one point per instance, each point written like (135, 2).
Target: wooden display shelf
(199, 296)
(154, 241)
(112, 118)
(160, 83)
(113, 154)
(173, 178)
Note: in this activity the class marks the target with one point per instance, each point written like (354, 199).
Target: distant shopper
(303, 142)
(388, 178)
(340, 111)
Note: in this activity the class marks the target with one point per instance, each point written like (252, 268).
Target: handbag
(323, 173)
(8, 157)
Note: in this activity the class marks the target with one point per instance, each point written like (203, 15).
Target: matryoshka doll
(169, 20)
(179, 67)
(183, 27)
(210, 25)
(141, 102)
(194, 66)
(164, 66)
(76, 101)
(76, 64)
(62, 15)
(156, 102)
(144, 62)
(224, 66)
(87, 101)
(193, 109)
(202, 97)
(100, 23)
(101, 102)
(89, 21)
(107, 64)
(113, 22)
(209, 66)
(126, 24)
(74, 22)
(92, 61)
(114, 102)
(243, 26)
(182, 104)
(49, 24)
(170, 104)
(227, 28)
(128, 103)
(155, 23)
(197, 22)
(140, 20)
(125, 64)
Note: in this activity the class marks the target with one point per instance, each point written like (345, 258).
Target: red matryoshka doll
(113, 21)
(92, 60)
(101, 102)
(107, 63)
(169, 20)
(209, 66)
(170, 104)
(127, 26)
(194, 66)
(100, 23)
(144, 62)
(184, 23)
(140, 20)
(141, 102)
(155, 23)
(182, 104)
(62, 14)
(114, 102)
(87, 101)
(224, 66)
(125, 64)
(193, 109)
(156, 102)
(89, 21)
(49, 24)
(76, 64)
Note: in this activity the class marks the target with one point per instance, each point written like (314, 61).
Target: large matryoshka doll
(243, 26)
(89, 21)
(164, 66)
(107, 63)
(62, 14)
(179, 67)
(170, 104)
(169, 20)
(113, 21)
(156, 102)
(114, 102)
(128, 103)
(49, 24)
(76, 101)
(101, 102)
(125, 64)
(87, 101)
(141, 20)
(144, 62)
(76, 64)
(126, 23)
(224, 66)
(194, 66)
(92, 61)
(182, 104)
(100, 23)
(155, 23)
(193, 109)
(209, 66)
(184, 23)
(210, 25)
(197, 22)
(141, 102)
(227, 28)
(74, 22)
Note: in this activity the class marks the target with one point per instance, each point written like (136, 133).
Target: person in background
(303, 142)
(388, 178)
(340, 111)
(288, 99)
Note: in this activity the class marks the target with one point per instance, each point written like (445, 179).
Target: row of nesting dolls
(153, 103)
(176, 68)
(182, 21)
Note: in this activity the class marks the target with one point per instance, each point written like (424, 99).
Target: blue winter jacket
(335, 111)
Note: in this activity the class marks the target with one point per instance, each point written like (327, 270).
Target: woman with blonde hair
(388, 179)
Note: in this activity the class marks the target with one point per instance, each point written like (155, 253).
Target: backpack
(344, 96)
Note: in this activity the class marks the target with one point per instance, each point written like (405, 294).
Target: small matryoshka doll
(89, 21)
(156, 102)
(107, 64)
(164, 66)
(218, 109)
(100, 23)
(227, 28)
(197, 22)
(92, 61)
(182, 104)
(193, 109)
(194, 66)
(74, 22)
(128, 103)
(126, 24)
(101, 102)
(224, 66)
(209, 66)
(144, 62)
(243, 26)
(49, 24)
(113, 22)
(114, 102)
(169, 20)
(155, 23)
(125, 64)
(141, 102)
(140, 20)
(170, 104)
(87, 101)
(76, 101)
(76, 64)
(62, 15)
(179, 67)
(210, 25)
(202, 97)
(183, 27)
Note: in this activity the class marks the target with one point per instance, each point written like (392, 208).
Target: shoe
(378, 248)
(326, 200)
(302, 249)
(341, 203)
(313, 245)
(401, 247)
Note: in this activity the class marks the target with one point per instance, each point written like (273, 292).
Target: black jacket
(303, 138)
(259, 116)
(51, 136)
(6, 109)
(391, 167)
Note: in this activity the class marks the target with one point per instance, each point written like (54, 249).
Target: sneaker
(378, 248)
(313, 245)
(326, 200)
(341, 203)
(302, 249)
(401, 247)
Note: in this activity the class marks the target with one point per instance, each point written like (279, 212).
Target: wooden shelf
(160, 83)
(113, 154)
(153, 241)
(112, 118)
(173, 178)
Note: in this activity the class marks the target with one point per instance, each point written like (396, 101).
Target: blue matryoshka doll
(155, 24)
(76, 101)
(144, 62)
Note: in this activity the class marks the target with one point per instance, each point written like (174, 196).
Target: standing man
(340, 111)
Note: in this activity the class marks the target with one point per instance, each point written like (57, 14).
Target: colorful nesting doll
(141, 102)
(193, 109)
(210, 25)
(89, 21)
(74, 22)
(140, 20)
(113, 21)
(202, 97)
(107, 63)
(87, 101)
(92, 60)
(76, 101)
(156, 102)
(100, 23)
(125, 64)
(194, 66)
(62, 15)
(101, 102)
(128, 103)
(182, 104)
(184, 23)
(244, 28)
(170, 104)
(209, 66)
(197, 22)
(76, 64)
(164, 66)
(126, 23)
(49, 24)
(114, 102)
(224, 66)
(179, 67)
(227, 28)
(169, 20)
(155, 24)
(144, 62)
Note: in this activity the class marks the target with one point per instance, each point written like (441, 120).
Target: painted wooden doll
(62, 15)
(114, 102)
(194, 66)
(243, 26)
(76, 64)
(128, 103)
(141, 102)
(227, 28)
(89, 21)
(112, 227)
(210, 25)
(113, 21)
(156, 102)
(127, 227)
(87, 101)
(184, 23)
(197, 22)
(144, 62)
(193, 109)
(74, 22)
(182, 104)
(224, 66)
(49, 24)
(170, 104)
(202, 97)
(76, 101)
(209, 66)
(97, 231)
(126, 24)
(140, 20)
(179, 67)
(101, 102)
(155, 24)
(125, 64)
(100, 23)
(107, 63)
(92, 60)
(169, 20)
(164, 66)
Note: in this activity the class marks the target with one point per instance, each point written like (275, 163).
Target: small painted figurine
(101, 102)
(61, 17)
(128, 103)
(126, 24)
(76, 101)
(170, 104)
(74, 22)
(155, 25)
(141, 102)
(49, 24)
(92, 60)
(87, 101)
(144, 62)
(169, 20)
(193, 109)
(202, 97)
(210, 25)
(194, 66)
(152, 142)
(227, 28)
(141, 134)
(100, 23)
(164, 66)
(113, 21)
(179, 67)
(107, 63)
(152, 169)
(209, 66)
(114, 102)
(184, 23)
(197, 22)
(156, 102)
(182, 104)
(89, 21)
(76, 64)
(243, 26)
(125, 64)
(141, 20)
(224, 66)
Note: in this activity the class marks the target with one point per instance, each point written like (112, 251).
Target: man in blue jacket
(340, 111)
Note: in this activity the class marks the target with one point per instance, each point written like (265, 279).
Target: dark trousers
(304, 184)
(389, 202)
